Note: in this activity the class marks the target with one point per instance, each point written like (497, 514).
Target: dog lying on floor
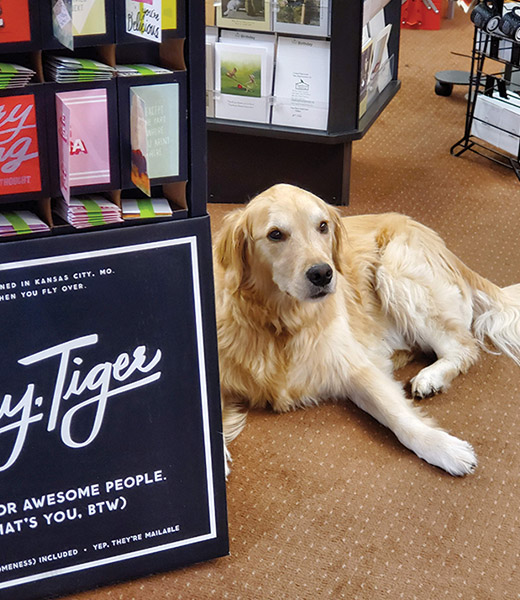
(311, 306)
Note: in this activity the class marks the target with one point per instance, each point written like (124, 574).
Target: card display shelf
(162, 298)
(334, 144)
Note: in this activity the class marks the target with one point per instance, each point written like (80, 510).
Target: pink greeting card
(88, 158)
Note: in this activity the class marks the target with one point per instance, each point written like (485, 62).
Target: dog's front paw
(427, 383)
(443, 450)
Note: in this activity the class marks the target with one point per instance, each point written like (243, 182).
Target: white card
(241, 82)
(143, 19)
(301, 86)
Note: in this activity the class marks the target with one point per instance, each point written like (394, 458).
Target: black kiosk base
(111, 463)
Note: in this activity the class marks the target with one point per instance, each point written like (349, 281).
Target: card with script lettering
(88, 162)
(301, 85)
(15, 24)
(144, 19)
(156, 133)
(19, 152)
(111, 462)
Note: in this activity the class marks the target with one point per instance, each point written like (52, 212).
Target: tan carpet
(325, 503)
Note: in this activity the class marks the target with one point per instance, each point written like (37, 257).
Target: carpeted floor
(325, 503)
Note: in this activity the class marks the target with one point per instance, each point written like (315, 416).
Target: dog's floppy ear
(339, 235)
(231, 247)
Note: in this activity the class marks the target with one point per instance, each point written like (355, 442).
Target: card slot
(163, 131)
(39, 208)
(83, 146)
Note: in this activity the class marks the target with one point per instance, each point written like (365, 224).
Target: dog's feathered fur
(293, 332)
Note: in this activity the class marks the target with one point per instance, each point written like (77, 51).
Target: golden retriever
(311, 306)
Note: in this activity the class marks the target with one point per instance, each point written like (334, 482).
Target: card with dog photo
(306, 17)
(245, 14)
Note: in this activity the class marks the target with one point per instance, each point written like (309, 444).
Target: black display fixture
(246, 158)
(111, 454)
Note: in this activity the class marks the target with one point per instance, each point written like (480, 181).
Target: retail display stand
(492, 126)
(111, 461)
(245, 157)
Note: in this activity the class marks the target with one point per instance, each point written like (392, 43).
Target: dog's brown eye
(275, 235)
(324, 227)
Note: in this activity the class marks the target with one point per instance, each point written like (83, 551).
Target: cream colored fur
(395, 289)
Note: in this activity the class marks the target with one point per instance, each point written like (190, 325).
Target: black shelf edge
(310, 135)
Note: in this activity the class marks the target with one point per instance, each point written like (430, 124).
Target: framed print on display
(306, 17)
(245, 14)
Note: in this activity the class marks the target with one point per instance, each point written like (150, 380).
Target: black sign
(110, 454)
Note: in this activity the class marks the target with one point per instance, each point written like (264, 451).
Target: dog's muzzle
(320, 276)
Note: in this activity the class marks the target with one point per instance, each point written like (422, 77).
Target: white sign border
(63, 258)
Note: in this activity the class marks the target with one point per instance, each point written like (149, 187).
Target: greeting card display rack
(504, 55)
(150, 290)
(245, 158)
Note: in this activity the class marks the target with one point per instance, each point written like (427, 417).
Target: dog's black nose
(320, 275)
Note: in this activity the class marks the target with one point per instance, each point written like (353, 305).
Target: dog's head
(286, 240)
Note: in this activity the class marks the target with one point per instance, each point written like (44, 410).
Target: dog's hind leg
(382, 397)
(429, 312)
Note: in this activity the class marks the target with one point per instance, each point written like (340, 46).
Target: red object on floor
(416, 15)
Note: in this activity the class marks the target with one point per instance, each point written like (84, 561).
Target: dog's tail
(496, 314)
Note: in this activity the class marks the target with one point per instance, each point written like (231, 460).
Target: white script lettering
(71, 384)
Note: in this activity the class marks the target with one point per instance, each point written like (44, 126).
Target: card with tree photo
(306, 17)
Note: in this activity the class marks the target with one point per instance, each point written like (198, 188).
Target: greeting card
(88, 157)
(88, 17)
(244, 14)
(65, 69)
(14, 75)
(15, 25)
(88, 211)
(169, 14)
(242, 82)
(158, 130)
(18, 222)
(380, 71)
(366, 61)
(301, 86)
(144, 19)
(139, 143)
(62, 22)
(19, 158)
(305, 17)
(254, 38)
(146, 208)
